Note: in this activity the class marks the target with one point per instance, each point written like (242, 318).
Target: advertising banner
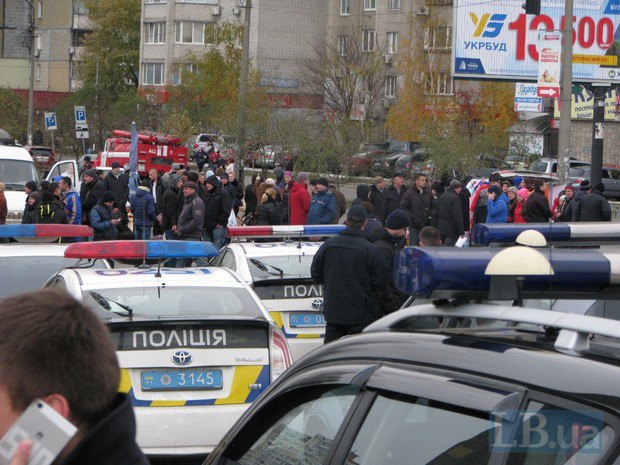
(497, 40)
(583, 102)
(550, 46)
(526, 97)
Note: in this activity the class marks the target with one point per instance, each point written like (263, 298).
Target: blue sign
(80, 114)
(50, 121)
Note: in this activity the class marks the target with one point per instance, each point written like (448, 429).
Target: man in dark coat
(361, 194)
(417, 203)
(102, 219)
(352, 271)
(49, 211)
(450, 222)
(594, 206)
(157, 191)
(172, 204)
(118, 184)
(191, 220)
(81, 385)
(377, 193)
(143, 209)
(584, 188)
(537, 206)
(90, 192)
(390, 239)
(393, 196)
(218, 206)
(341, 201)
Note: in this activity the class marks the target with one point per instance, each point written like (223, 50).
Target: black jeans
(334, 332)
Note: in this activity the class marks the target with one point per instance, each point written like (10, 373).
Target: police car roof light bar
(453, 272)
(286, 231)
(45, 230)
(141, 249)
(505, 233)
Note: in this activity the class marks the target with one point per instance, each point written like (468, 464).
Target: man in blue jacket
(73, 206)
(144, 213)
(323, 206)
(497, 210)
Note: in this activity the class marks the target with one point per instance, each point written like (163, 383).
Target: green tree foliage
(14, 114)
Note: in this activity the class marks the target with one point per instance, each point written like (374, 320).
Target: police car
(542, 389)
(279, 273)
(196, 346)
(30, 259)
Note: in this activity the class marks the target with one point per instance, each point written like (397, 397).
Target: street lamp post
(31, 88)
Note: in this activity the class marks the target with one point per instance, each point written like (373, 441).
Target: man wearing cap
(118, 184)
(165, 179)
(90, 192)
(191, 218)
(584, 188)
(393, 196)
(450, 221)
(377, 194)
(299, 200)
(417, 203)
(594, 206)
(323, 208)
(389, 240)
(352, 272)
(101, 219)
(218, 206)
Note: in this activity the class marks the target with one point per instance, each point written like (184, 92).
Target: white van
(16, 169)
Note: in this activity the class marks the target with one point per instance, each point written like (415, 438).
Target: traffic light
(532, 7)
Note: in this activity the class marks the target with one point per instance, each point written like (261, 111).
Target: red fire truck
(155, 150)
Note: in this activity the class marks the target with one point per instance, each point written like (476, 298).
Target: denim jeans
(217, 236)
(142, 232)
(170, 236)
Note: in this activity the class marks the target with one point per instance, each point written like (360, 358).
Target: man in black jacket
(67, 355)
(191, 219)
(390, 239)
(172, 204)
(118, 184)
(352, 271)
(157, 191)
(417, 203)
(91, 191)
(218, 206)
(393, 196)
(537, 206)
(450, 223)
(594, 206)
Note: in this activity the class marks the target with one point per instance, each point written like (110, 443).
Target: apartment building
(59, 28)
(282, 33)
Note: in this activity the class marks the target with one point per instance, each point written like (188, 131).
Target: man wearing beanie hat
(594, 206)
(218, 205)
(144, 214)
(299, 200)
(102, 220)
(323, 207)
(450, 214)
(172, 203)
(118, 184)
(518, 182)
(352, 272)
(389, 240)
(377, 194)
(90, 192)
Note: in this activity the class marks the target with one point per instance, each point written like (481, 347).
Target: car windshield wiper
(11, 186)
(265, 267)
(105, 303)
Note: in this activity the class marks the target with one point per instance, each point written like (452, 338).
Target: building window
(40, 10)
(438, 84)
(438, 38)
(345, 7)
(207, 2)
(154, 1)
(394, 5)
(180, 69)
(390, 86)
(392, 42)
(370, 5)
(155, 33)
(439, 2)
(77, 37)
(79, 8)
(210, 32)
(190, 32)
(153, 74)
(37, 42)
(38, 73)
(368, 40)
(342, 45)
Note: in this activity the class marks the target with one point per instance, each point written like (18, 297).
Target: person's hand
(22, 454)
(115, 222)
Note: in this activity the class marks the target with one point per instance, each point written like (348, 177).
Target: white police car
(30, 259)
(196, 346)
(279, 272)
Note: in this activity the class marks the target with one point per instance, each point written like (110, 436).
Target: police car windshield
(291, 266)
(25, 274)
(172, 301)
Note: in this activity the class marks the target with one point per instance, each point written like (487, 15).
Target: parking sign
(80, 114)
(50, 121)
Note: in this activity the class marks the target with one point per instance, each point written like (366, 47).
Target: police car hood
(115, 319)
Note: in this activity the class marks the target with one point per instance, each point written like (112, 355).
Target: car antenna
(158, 273)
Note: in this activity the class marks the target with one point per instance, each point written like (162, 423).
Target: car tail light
(280, 354)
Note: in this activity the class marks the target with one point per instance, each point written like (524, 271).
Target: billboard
(582, 106)
(497, 40)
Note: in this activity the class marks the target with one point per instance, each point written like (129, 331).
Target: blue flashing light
(485, 234)
(324, 229)
(422, 271)
(180, 249)
(45, 230)
(17, 230)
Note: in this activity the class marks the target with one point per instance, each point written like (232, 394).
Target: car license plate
(181, 380)
(306, 320)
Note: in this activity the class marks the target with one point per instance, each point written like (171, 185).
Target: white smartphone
(45, 427)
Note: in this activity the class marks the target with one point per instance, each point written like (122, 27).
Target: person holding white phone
(59, 379)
